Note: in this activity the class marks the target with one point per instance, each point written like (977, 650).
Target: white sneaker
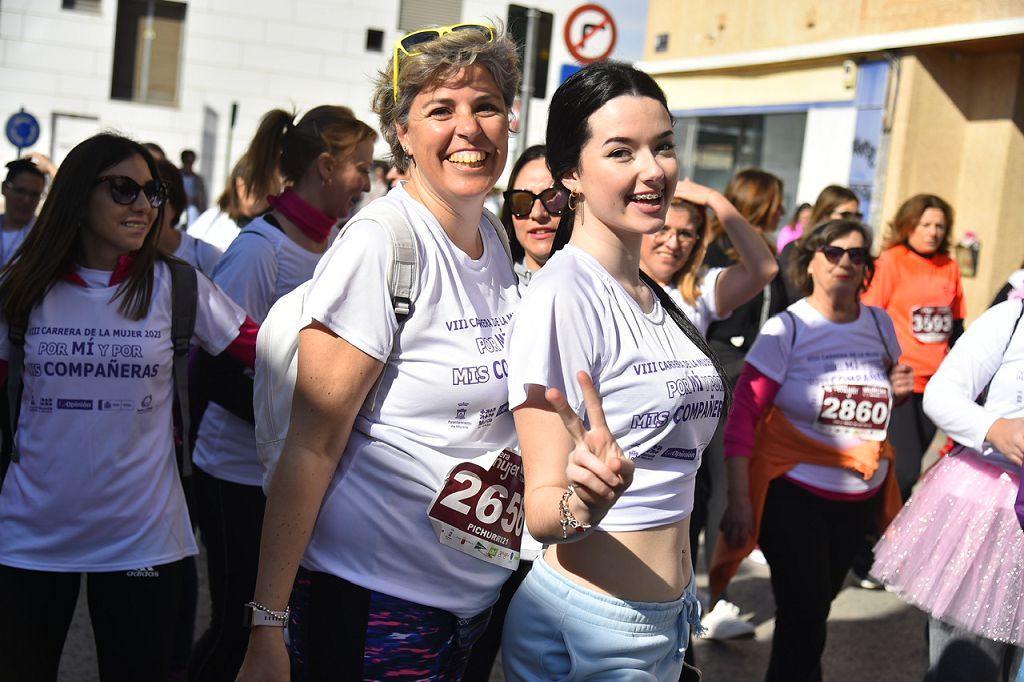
(724, 622)
(757, 556)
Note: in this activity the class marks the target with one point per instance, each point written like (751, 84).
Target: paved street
(872, 636)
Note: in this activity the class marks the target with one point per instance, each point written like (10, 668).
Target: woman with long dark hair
(95, 487)
(596, 340)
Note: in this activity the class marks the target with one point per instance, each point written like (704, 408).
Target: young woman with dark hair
(533, 203)
(325, 158)
(596, 340)
(95, 486)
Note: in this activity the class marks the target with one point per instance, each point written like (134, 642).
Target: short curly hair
(436, 62)
(822, 235)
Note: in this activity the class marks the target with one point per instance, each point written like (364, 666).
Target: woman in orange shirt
(918, 284)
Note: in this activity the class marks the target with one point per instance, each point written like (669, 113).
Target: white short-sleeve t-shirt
(662, 397)
(215, 227)
(705, 309)
(261, 265)
(97, 488)
(442, 400)
(819, 371)
(201, 255)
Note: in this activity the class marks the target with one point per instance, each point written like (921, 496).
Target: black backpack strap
(792, 320)
(15, 364)
(878, 327)
(184, 300)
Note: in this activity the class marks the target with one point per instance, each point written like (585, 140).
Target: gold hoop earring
(574, 199)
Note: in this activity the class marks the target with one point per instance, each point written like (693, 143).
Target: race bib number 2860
(480, 512)
(856, 410)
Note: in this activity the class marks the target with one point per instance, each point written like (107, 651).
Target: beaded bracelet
(567, 519)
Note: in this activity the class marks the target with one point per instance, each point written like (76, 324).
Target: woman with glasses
(391, 501)
(833, 203)
(22, 189)
(613, 595)
(809, 466)
(918, 284)
(94, 487)
(325, 159)
(532, 205)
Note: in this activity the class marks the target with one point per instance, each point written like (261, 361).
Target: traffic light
(542, 45)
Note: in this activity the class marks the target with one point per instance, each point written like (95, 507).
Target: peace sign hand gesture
(597, 467)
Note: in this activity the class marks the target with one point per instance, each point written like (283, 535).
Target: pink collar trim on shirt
(120, 273)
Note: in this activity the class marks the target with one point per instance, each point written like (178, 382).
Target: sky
(631, 20)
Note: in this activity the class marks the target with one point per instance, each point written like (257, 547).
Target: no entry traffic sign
(590, 33)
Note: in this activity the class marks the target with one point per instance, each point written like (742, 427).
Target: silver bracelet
(567, 519)
(258, 614)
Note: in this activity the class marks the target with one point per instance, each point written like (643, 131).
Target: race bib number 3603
(480, 512)
(855, 410)
(931, 324)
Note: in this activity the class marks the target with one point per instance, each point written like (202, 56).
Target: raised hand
(597, 467)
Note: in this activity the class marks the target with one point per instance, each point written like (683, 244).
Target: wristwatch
(256, 614)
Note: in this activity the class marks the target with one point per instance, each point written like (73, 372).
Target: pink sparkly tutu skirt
(956, 550)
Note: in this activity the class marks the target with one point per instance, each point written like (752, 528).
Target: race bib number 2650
(480, 511)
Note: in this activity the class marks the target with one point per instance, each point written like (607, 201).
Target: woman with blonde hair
(366, 504)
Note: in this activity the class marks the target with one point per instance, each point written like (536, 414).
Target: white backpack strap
(502, 234)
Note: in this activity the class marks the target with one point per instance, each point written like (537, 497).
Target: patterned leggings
(340, 631)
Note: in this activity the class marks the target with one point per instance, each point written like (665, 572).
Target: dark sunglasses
(124, 190)
(553, 199)
(833, 254)
(851, 215)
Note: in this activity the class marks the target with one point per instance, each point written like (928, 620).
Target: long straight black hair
(569, 114)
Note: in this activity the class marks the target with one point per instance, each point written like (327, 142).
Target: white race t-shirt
(259, 267)
(97, 488)
(215, 227)
(705, 310)
(442, 400)
(985, 353)
(662, 397)
(201, 255)
(834, 384)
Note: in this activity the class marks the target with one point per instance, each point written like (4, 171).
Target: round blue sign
(22, 129)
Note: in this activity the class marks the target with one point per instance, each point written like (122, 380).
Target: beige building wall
(699, 29)
(958, 132)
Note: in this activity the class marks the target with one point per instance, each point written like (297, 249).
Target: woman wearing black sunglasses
(817, 386)
(94, 488)
(530, 213)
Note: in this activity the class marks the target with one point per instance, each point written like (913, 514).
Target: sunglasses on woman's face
(849, 215)
(124, 190)
(408, 44)
(833, 254)
(553, 199)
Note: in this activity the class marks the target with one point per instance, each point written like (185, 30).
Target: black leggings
(133, 615)
(230, 519)
(911, 433)
(809, 543)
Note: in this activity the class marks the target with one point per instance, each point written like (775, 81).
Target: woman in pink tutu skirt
(957, 550)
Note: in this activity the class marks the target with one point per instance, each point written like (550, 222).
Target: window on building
(414, 14)
(92, 6)
(147, 51)
(661, 42)
(713, 148)
(374, 40)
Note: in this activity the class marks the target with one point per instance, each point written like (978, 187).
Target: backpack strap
(184, 300)
(792, 320)
(15, 364)
(878, 327)
(983, 396)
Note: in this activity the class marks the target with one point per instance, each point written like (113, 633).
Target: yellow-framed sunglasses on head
(407, 44)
